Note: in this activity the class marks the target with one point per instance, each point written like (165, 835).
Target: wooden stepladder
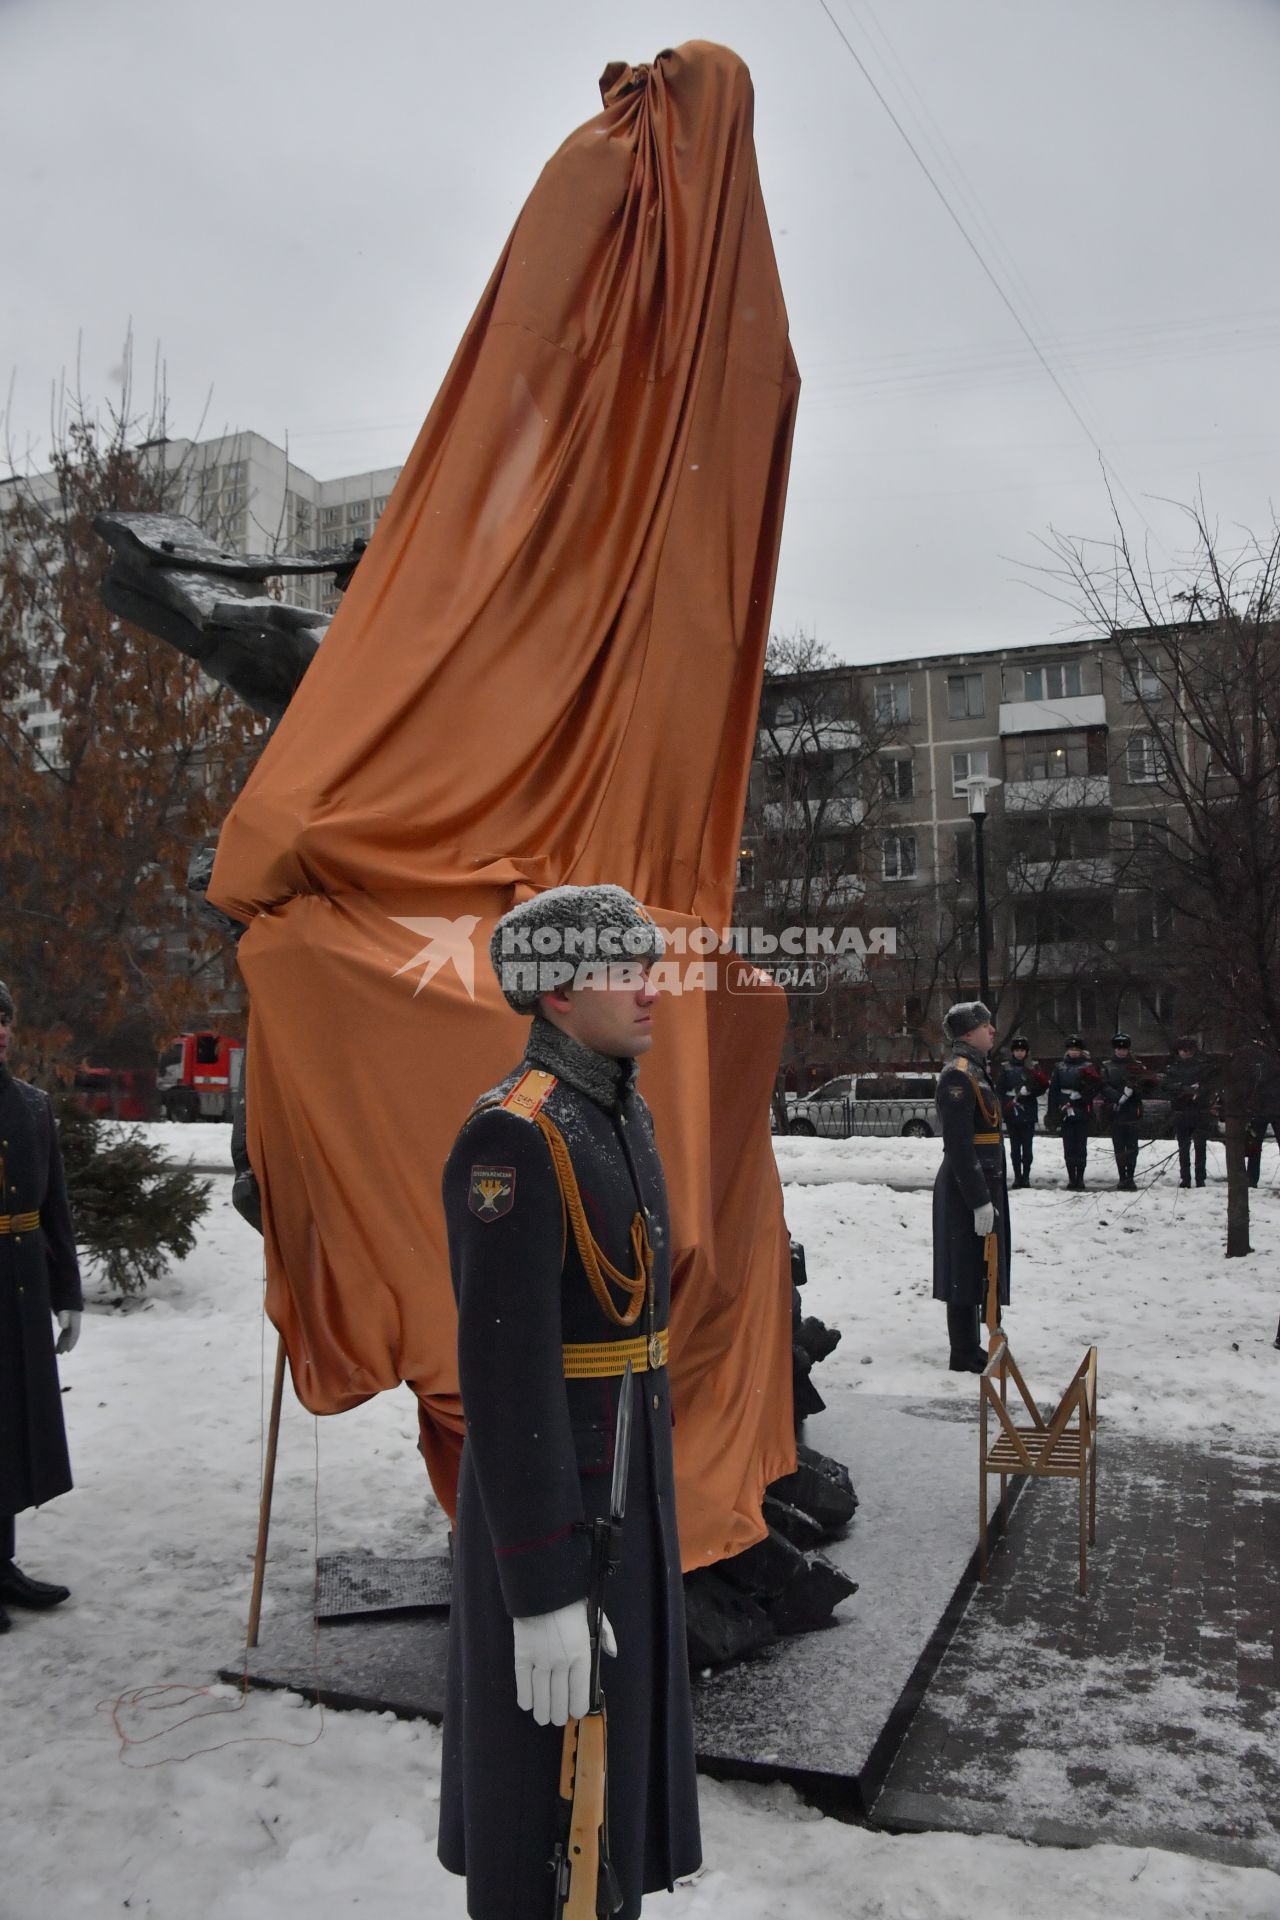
(1065, 1447)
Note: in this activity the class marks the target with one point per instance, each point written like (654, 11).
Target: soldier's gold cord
(596, 1261)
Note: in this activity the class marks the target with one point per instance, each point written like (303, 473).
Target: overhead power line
(987, 270)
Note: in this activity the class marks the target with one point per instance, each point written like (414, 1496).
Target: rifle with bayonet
(586, 1886)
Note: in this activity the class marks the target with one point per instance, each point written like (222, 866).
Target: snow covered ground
(270, 1809)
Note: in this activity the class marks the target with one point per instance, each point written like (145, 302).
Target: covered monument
(546, 669)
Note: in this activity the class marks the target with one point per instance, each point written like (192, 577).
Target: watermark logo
(448, 942)
(802, 960)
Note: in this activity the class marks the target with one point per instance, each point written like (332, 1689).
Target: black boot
(6, 1622)
(16, 1590)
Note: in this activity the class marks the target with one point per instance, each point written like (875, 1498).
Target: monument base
(825, 1710)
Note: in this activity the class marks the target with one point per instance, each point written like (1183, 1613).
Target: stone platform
(824, 1710)
(1147, 1714)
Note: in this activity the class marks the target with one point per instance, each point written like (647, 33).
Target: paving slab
(1148, 1712)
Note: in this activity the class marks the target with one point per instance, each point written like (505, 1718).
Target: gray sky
(301, 200)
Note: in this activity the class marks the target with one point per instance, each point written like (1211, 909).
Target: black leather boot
(17, 1590)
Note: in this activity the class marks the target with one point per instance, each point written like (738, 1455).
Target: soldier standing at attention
(1072, 1087)
(39, 1277)
(1191, 1084)
(1122, 1079)
(560, 1251)
(969, 1196)
(1020, 1085)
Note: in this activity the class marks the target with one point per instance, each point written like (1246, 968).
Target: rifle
(991, 1255)
(586, 1885)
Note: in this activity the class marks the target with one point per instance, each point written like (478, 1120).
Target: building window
(1141, 759)
(899, 856)
(964, 853)
(235, 472)
(893, 702)
(1154, 919)
(964, 696)
(380, 504)
(964, 765)
(897, 778)
(1138, 681)
(746, 867)
(232, 498)
(358, 510)
(331, 516)
(1051, 683)
(1055, 756)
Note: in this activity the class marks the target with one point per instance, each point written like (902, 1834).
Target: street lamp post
(978, 786)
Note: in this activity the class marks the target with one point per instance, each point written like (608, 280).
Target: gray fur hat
(6, 1001)
(964, 1017)
(540, 945)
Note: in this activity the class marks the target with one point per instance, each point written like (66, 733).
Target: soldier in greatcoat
(1123, 1082)
(1191, 1084)
(1019, 1085)
(1073, 1085)
(970, 1198)
(559, 1246)
(39, 1277)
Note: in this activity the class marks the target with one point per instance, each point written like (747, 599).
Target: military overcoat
(972, 1173)
(536, 1468)
(39, 1276)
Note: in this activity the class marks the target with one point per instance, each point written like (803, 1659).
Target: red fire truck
(199, 1076)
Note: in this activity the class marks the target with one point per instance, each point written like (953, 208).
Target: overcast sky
(299, 202)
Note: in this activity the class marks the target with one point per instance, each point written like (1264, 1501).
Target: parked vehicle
(883, 1104)
(117, 1093)
(199, 1076)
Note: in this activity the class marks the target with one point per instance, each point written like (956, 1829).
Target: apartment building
(246, 493)
(1075, 941)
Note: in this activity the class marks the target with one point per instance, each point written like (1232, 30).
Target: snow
(270, 1808)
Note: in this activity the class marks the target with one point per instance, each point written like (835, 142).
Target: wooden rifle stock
(582, 1783)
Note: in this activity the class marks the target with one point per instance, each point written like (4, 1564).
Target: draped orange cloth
(546, 669)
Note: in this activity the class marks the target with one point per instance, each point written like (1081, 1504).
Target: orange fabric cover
(546, 670)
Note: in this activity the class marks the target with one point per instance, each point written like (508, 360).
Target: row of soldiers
(1077, 1088)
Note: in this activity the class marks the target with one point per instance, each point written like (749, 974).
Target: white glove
(69, 1321)
(984, 1220)
(553, 1662)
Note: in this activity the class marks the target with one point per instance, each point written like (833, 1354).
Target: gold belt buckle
(655, 1351)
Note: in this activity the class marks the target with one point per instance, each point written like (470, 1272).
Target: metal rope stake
(268, 1484)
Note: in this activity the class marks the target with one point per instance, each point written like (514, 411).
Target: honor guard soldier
(1191, 1085)
(1020, 1085)
(1121, 1094)
(560, 1251)
(969, 1194)
(39, 1277)
(1073, 1085)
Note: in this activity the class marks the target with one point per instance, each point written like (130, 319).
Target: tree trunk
(1237, 1184)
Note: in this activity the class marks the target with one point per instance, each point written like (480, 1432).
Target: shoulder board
(530, 1093)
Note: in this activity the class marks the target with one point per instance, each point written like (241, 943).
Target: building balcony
(1054, 960)
(1078, 876)
(1082, 792)
(1053, 716)
(831, 816)
(811, 736)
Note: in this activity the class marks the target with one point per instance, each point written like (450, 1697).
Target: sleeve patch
(958, 1091)
(491, 1191)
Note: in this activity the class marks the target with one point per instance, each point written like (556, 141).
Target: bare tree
(1199, 648)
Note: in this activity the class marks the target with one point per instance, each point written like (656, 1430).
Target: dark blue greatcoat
(972, 1173)
(537, 1463)
(39, 1276)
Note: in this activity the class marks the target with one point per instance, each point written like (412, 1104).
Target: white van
(868, 1103)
